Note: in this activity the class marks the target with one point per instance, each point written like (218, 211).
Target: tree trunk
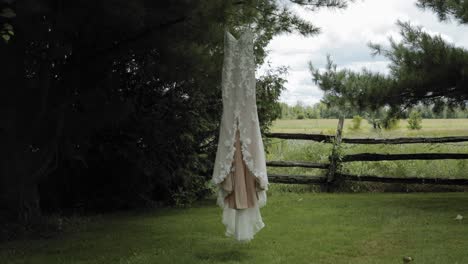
(29, 209)
(19, 198)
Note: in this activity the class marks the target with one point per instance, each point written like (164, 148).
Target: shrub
(391, 123)
(415, 120)
(357, 120)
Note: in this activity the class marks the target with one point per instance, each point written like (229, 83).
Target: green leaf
(6, 38)
(7, 26)
(11, 32)
(8, 13)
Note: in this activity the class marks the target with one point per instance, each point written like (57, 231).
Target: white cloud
(345, 35)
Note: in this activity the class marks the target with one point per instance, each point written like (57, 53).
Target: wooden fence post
(331, 177)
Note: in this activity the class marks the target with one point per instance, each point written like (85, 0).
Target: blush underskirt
(241, 214)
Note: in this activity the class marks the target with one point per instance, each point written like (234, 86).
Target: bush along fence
(334, 176)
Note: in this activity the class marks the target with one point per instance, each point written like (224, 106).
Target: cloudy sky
(345, 34)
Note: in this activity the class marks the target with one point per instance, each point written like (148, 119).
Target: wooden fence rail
(330, 138)
(314, 137)
(416, 156)
(334, 176)
(415, 140)
(308, 179)
(296, 179)
(298, 164)
(420, 180)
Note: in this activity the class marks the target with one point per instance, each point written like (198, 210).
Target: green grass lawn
(301, 227)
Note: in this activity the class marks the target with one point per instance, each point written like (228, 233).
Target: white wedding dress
(240, 116)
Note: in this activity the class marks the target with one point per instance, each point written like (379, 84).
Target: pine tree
(423, 69)
(447, 9)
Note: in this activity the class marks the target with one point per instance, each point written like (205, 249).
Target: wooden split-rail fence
(334, 176)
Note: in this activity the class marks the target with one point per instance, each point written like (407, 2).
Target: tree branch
(145, 33)
(314, 4)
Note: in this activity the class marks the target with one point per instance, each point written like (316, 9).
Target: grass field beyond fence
(430, 127)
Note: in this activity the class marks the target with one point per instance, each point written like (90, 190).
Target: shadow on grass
(223, 256)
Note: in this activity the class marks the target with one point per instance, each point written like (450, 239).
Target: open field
(301, 227)
(301, 150)
(431, 127)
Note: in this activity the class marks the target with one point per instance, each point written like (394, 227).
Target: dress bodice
(238, 72)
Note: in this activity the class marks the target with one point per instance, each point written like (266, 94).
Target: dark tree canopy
(116, 104)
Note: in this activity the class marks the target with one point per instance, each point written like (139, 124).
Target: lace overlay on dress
(239, 111)
(240, 139)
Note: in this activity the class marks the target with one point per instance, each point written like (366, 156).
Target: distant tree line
(321, 110)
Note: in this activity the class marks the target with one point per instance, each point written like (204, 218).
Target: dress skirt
(241, 214)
